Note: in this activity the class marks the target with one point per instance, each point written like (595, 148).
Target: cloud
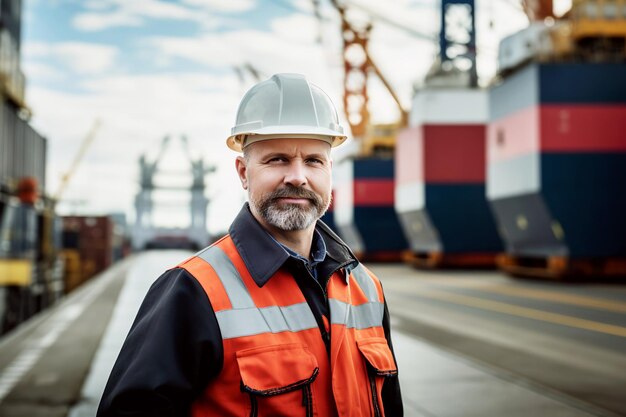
(80, 57)
(86, 58)
(266, 52)
(119, 13)
(270, 53)
(41, 71)
(136, 112)
(402, 58)
(230, 6)
(107, 14)
(296, 27)
(211, 50)
(156, 9)
(305, 6)
(99, 21)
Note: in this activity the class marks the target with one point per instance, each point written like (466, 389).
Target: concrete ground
(57, 364)
(566, 341)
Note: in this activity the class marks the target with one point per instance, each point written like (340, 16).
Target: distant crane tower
(373, 138)
(457, 46)
(146, 234)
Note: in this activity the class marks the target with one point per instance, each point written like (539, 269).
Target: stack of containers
(557, 168)
(88, 247)
(440, 180)
(364, 208)
(22, 149)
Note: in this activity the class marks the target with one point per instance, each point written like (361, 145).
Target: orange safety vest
(275, 361)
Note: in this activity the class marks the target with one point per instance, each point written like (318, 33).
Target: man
(277, 318)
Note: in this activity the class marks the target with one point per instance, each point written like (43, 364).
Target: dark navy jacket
(174, 347)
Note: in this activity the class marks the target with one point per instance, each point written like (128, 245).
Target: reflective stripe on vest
(359, 317)
(233, 284)
(245, 319)
(366, 283)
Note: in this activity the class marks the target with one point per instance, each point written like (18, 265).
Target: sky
(154, 68)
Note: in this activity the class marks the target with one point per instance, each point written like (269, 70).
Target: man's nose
(296, 174)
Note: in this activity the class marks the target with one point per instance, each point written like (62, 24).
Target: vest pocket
(380, 365)
(278, 379)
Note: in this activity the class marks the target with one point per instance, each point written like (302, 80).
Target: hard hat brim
(239, 141)
(286, 105)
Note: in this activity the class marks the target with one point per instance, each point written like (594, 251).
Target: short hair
(246, 153)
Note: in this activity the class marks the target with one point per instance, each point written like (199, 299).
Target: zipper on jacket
(307, 400)
(325, 287)
(254, 408)
(374, 395)
(325, 333)
(326, 337)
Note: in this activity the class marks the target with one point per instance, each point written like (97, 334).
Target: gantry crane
(358, 64)
(148, 235)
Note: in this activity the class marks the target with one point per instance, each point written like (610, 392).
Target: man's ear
(242, 171)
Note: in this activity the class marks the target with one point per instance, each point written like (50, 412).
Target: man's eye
(277, 159)
(315, 161)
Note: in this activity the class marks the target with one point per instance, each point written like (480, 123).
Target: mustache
(294, 192)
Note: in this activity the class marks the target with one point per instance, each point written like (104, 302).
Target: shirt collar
(263, 257)
(318, 250)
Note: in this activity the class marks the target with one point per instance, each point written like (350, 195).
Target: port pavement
(57, 364)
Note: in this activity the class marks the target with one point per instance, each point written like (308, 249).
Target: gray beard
(290, 217)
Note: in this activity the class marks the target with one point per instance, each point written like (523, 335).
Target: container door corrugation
(22, 149)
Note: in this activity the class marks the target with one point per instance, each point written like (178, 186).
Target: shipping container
(87, 247)
(557, 167)
(440, 180)
(364, 208)
(22, 149)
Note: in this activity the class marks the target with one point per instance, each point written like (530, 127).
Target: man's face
(288, 181)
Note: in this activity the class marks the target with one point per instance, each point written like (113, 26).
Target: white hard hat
(285, 106)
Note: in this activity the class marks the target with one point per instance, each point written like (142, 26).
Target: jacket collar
(263, 256)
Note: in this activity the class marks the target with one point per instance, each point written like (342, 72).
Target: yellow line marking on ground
(522, 311)
(579, 300)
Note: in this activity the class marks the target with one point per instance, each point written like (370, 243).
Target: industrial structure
(521, 174)
(556, 144)
(30, 270)
(525, 173)
(146, 233)
(440, 157)
(363, 206)
(42, 255)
